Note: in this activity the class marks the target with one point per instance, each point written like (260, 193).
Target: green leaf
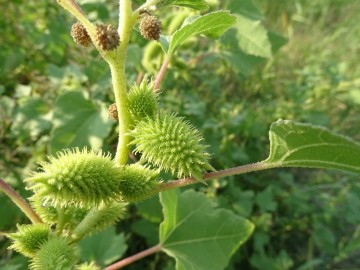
(78, 122)
(246, 8)
(265, 200)
(197, 235)
(295, 144)
(31, 119)
(212, 24)
(194, 4)
(253, 37)
(104, 247)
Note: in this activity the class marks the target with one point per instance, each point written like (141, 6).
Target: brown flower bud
(107, 38)
(80, 35)
(150, 28)
(113, 113)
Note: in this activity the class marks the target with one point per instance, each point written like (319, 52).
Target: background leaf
(246, 8)
(194, 4)
(193, 231)
(302, 145)
(78, 122)
(104, 247)
(252, 37)
(212, 24)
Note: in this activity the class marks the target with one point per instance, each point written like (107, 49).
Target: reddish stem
(134, 258)
(20, 202)
(208, 176)
(161, 74)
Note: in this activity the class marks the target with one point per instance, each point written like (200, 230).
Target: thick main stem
(120, 92)
(117, 61)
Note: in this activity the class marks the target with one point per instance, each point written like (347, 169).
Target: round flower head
(80, 35)
(77, 177)
(150, 27)
(113, 113)
(107, 38)
(172, 144)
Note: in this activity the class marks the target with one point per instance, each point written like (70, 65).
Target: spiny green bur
(138, 183)
(109, 214)
(29, 238)
(77, 177)
(45, 210)
(142, 100)
(172, 144)
(56, 254)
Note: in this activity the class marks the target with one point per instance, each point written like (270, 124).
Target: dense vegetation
(305, 219)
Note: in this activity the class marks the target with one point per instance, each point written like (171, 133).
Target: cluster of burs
(79, 191)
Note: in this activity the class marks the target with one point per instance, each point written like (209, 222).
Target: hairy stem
(117, 61)
(20, 202)
(259, 166)
(134, 258)
(86, 224)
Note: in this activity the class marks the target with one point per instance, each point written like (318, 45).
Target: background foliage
(303, 66)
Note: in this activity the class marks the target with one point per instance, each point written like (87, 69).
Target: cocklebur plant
(79, 191)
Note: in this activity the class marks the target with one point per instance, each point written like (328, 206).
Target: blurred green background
(55, 95)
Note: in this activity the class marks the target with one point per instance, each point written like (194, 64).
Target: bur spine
(74, 177)
(138, 183)
(28, 239)
(55, 254)
(142, 100)
(172, 144)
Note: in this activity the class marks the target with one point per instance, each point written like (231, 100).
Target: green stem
(61, 219)
(20, 202)
(86, 224)
(117, 61)
(259, 166)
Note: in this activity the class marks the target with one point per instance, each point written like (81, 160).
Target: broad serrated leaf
(253, 38)
(212, 24)
(197, 235)
(194, 4)
(78, 122)
(295, 144)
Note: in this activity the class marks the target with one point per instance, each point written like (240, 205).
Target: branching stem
(117, 61)
(161, 74)
(259, 166)
(134, 258)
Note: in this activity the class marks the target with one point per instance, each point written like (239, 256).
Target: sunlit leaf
(212, 24)
(78, 122)
(295, 144)
(193, 232)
